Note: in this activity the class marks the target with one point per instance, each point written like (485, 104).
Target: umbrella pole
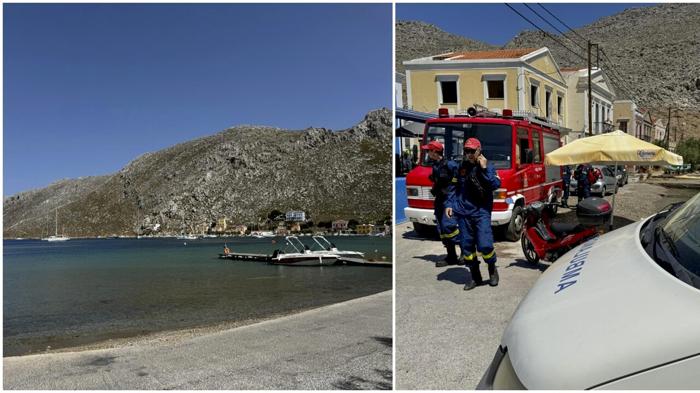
(614, 192)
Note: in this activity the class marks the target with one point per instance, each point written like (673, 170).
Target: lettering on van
(575, 266)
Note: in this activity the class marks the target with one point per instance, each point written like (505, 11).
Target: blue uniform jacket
(443, 175)
(465, 197)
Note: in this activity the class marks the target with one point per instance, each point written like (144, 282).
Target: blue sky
(87, 88)
(496, 24)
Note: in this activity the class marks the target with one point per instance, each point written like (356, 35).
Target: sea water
(78, 292)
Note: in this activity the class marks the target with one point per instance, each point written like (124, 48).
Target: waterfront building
(339, 225)
(295, 216)
(364, 229)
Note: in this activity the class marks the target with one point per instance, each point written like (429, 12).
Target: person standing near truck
(566, 179)
(582, 174)
(443, 174)
(470, 200)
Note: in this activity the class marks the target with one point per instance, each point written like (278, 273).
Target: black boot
(441, 263)
(476, 279)
(452, 258)
(493, 274)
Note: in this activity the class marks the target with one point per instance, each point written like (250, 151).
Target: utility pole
(668, 128)
(590, 96)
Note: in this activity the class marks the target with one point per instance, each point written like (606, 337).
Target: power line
(562, 22)
(544, 32)
(554, 27)
(619, 81)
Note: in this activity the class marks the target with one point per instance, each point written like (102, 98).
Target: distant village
(294, 222)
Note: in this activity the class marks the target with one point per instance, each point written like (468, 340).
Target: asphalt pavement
(341, 346)
(446, 337)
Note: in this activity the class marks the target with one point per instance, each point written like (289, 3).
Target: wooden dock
(238, 256)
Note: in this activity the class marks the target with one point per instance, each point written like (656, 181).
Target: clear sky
(496, 24)
(88, 88)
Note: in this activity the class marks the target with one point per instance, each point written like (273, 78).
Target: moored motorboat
(302, 255)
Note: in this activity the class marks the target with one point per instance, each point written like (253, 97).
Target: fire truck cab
(515, 145)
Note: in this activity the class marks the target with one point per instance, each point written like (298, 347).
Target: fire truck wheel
(515, 227)
(423, 230)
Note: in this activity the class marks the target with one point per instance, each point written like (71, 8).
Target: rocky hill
(416, 39)
(241, 173)
(656, 49)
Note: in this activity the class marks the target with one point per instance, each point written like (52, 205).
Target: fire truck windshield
(496, 141)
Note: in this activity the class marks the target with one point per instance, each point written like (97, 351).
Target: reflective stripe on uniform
(454, 180)
(489, 255)
(449, 235)
(469, 257)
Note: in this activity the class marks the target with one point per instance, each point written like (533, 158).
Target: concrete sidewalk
(446, 337)
(342, 346)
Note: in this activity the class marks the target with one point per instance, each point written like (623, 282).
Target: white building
(295, 216)
(603, 96)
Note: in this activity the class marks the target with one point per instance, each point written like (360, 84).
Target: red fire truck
(514, 144)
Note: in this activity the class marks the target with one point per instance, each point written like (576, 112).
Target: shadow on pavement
(386, 341)
(412, 235)
(523, 263)
(457, 275)
(432, 258)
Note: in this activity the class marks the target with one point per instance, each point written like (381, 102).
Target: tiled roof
(486, 54)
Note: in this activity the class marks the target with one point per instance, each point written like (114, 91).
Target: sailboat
(55, 237)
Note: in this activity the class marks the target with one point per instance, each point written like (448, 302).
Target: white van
(621, 311)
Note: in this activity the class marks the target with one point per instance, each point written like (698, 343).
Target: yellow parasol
(611, 148)
(616, 147)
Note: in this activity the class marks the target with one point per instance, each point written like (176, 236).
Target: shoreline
(178, 335)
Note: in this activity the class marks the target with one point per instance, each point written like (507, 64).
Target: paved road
(446, 337)
(342, 346)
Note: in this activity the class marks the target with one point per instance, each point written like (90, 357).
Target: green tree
(660, 143)
(690, 150)
(353, 223)
(324, 224)
(274, 214)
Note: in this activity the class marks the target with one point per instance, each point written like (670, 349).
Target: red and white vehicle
(515, 145)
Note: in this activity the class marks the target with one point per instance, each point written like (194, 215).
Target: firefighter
(444, 172)
(471, 202)
(582, 174)
(566, 179)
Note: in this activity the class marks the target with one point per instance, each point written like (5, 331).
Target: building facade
(295, 216)
(603, 98)
(524, 80)
(659, 130)
(339, 225)
(627, 117)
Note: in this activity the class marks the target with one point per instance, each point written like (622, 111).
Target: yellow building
(524, 80)
(364, 229)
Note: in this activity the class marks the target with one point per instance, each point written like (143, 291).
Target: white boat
(55, 237)
(302, 255)
(262, 235)
(187, 237)
(329, 248)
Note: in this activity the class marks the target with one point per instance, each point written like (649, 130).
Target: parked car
(619, 312)
(677, 169)
(601, 186)
(622, 177)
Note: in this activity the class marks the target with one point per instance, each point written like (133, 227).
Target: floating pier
(237, 256)
(246, 257)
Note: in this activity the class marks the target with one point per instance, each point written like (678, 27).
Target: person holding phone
(470, 200)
